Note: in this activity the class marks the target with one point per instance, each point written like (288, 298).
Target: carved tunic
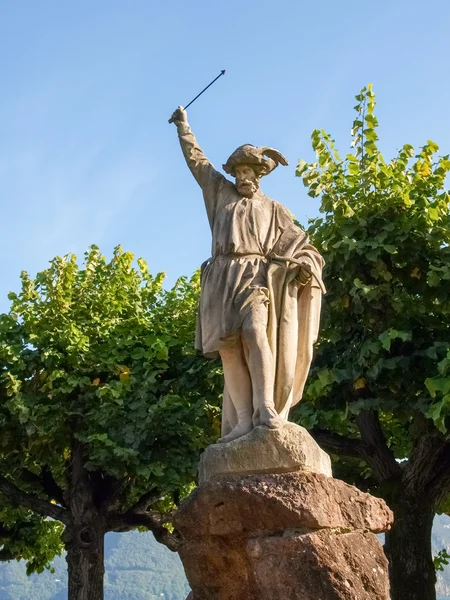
(256, 253)
(244, 232)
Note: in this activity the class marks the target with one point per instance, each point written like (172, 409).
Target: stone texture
(284, 536)
(322, 565)
(286, 449)
(319, 566)
(233, 506)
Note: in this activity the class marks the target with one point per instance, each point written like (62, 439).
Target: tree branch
(144, 502)
(128, 521)
(376, 451)
(34, 503)
(437, 485)
(28, 477)
(428, 458)
(338, 444)
(109, 491)
(51, 488)
(46, 482)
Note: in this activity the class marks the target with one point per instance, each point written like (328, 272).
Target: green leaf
(326, 377)
(302, 167)
(389, 335)
(138, 353)
(441, 559)
(438, 384)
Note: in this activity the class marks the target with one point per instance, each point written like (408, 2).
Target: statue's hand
(304, 274)
(179, 116)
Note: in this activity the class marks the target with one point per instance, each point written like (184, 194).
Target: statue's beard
(246, 187)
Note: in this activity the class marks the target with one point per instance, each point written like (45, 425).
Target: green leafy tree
(104, 406)
(28, 536)
(379, 394)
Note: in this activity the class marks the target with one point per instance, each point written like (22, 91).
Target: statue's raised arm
(204, 172)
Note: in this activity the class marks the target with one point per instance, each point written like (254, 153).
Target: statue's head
(249, 163)
(247, 180)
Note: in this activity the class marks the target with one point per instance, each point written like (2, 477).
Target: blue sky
(87, 155)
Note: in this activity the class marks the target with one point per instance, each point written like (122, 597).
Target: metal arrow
(204, 90)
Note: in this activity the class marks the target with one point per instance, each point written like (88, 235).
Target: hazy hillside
(441, 539)
(138, 568)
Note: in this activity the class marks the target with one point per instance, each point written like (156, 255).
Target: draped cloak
(257, 251)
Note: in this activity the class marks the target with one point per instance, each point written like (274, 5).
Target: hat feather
(274, 155)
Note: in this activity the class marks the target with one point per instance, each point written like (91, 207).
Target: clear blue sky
(87, 156)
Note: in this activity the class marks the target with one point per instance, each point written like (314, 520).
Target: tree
(379, 394)
(28, 536)
(104, 405)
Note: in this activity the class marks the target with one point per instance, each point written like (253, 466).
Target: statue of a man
(260, 290)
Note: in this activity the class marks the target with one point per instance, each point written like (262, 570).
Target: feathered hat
(263, 160)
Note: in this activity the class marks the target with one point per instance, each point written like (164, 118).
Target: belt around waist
(220, 257)
(235, 256)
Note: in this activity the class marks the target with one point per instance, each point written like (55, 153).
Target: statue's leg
(239, 386)
(261, 367)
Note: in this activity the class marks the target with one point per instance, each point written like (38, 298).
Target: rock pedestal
(284, 450)
(283, 536)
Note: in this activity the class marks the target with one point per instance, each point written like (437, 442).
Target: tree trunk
(84, 537)
(408, 549)
(85, 559)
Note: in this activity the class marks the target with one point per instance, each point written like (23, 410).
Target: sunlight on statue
(260, 290)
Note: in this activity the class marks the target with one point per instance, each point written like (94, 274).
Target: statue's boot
(269, 417)
(244, 426)
(240, 430)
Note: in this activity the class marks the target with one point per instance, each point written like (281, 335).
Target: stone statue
(260, 290)
(267, 520)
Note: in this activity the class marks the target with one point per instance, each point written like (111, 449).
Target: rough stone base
(296, 536)
(287, 449)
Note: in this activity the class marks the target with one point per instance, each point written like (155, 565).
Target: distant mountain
(440, 540)
(138, 568)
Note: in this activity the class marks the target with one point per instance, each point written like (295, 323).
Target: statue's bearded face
(247, 182)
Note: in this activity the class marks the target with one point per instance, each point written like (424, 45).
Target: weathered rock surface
(287, 449)
(233, 506)
(322, 565)
(299, 536)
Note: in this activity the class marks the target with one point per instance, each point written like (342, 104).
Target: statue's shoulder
(226, 184)
(281, 209)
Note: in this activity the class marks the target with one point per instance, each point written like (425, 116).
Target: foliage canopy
(385, 236)
(379, 392)
(98, 361)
